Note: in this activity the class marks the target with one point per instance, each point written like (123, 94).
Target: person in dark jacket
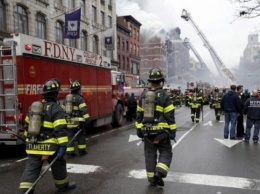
(50, 142)
(77, 120)
(155, 124)
(252, 111)
(240, 119)
(230, 104)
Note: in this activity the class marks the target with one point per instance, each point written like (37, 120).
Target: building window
(123, 63)
(110, 21)
(131, 48)
(40, 26)
(118, 60)
(95, 44)
(21, 20)
(73, 43)
(118, 42)
(59, 1)
(123, 45)
(94, 13)
(103, 18)
(2, 15)
(84, 41)
(135, 70)
(127, 46)
(127, 63)
(83, 5)
(137, 35)
(71, 4)
(59, 32)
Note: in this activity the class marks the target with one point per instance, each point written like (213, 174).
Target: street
(203, 162)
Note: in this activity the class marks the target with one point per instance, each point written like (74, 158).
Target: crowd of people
(154, 119)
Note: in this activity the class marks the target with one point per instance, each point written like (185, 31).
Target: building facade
(129, 64)
(153, 54)
(46, 19)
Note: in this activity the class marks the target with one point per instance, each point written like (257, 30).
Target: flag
(108, 37)
(72, 24)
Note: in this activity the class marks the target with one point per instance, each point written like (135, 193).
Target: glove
(172, 135)
(139, 133)
(62, 151)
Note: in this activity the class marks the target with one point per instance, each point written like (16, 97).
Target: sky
(217, 19)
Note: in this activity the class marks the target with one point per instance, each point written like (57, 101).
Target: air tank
(149, 106)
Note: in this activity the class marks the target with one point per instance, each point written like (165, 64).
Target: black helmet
(155, 75)
(58, 82)
(216, 89)
(75, 85)
(51, 86)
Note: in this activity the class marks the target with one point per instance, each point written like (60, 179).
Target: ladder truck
(224, 72)
(202, 63)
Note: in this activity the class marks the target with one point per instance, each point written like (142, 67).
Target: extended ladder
(9, 110)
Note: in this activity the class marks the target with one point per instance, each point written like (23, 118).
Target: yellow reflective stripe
(25, 133)
(62, 140)
(27, 119)
(72, 126)
(59, 122)
(159, 108)
(173, 126)
(37, 152)
(150, 174)
(138, 125)
(25, 185)
(51, 140)
(77, 119)
(61, 182)
(75, 108)
(82, 105)
(86, 116)
(163, 125)
(70, 149)
(140, 109)
(82, 146)
(163, 166)
(168, 108)
(48, 124)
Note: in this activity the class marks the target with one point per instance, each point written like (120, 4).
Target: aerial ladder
(224, 72)
(202, 63)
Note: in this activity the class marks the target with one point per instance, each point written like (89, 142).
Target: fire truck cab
(26, 62)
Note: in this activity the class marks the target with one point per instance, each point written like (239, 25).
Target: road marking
(203, 179)
(227, 142)
(208, 123)
(133, 138)
(80, 168)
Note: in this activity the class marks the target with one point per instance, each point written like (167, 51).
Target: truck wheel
(118, 116)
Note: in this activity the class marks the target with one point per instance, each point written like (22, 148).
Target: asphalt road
(203, 163)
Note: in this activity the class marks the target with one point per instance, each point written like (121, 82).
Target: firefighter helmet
(155, 75)
(51, 86)
(75, 85)
(216, 89)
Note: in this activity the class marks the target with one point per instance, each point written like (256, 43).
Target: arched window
(21, 20)
(95, 44)
(2, 15)
(84, 41)
(40, 26)
(59, 32)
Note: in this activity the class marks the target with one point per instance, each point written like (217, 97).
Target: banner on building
(72, 24)
(108, 37)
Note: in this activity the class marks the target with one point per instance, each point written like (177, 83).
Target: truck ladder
(9, 110)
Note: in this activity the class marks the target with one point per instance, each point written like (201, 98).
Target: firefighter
(155, 124)
(46, 137)
(178, 98)
(187, 97)
(195, 102)
(79, 117)
(216, 99)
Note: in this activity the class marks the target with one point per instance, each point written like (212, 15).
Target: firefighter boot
(158, 178)
(218, 118)
(69, 186)
(152, 181)
(82, 152)
(192, 119)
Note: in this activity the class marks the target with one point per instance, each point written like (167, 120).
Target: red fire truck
(26, 62)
